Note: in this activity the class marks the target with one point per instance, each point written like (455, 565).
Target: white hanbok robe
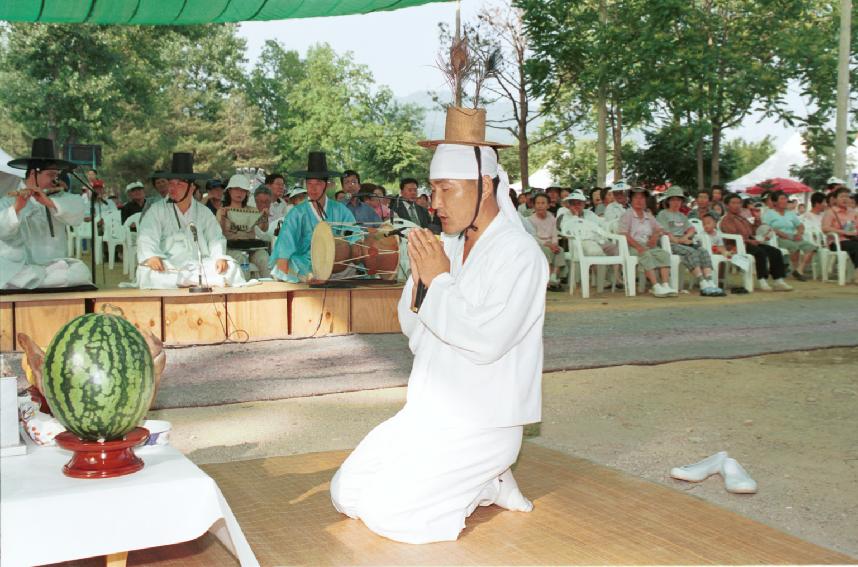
(29, 256)
(164, 232)
(475, 381)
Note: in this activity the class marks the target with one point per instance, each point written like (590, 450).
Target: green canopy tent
(187, 12)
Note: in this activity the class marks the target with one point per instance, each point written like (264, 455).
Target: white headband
(456, 161)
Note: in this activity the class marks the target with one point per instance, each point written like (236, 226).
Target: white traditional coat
(164, 232)
(476, 380)
(29, 256)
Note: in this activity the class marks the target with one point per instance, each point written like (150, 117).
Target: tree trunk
(617, 131)
(700, 172)
(602, 117)
(716, 155)
(523, 146)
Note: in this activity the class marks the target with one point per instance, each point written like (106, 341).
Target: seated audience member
(136, 193)
(214, 195)
(363, 213)
(406, 207)
(341, 197)
(748, 203)
(525, 209)
(244, 237)
(813, 217)
(596, 200)
(717, 193)
(161, 187)
(167, 250)
(381, 203)
(703, 206)
(553, 194)
(841, 221)
(594, 240)
(833, 184)
(607, 197)
(546, 234)
(681, 234)
(643, 232)
(423, 201)
(33, 221)
(297, 195)
(103, 205)
(790, 233)
(620, 205)
(279, 205)
(768, 259)
(710, 227)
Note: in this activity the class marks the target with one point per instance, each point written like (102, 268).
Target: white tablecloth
(47, 517)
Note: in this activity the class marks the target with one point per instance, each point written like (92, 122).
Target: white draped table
(47, 517)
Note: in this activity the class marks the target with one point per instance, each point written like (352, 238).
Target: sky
(400, 48)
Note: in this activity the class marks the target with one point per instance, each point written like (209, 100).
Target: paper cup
(159, 431)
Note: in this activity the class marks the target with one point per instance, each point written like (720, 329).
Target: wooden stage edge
(271, 310)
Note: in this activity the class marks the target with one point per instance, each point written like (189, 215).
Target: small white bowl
(159, 431)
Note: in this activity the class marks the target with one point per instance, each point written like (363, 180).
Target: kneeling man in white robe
(477, 371)
(33, 223)
(175, 232)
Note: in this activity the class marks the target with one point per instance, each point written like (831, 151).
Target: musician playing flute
(33, 222)
(290, 259)
(168, 253)
(477, 344)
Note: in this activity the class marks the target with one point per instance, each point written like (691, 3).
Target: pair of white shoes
(663, 290)
(736, 478)
(777, 285)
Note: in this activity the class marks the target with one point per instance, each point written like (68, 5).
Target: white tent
(791, 154)
(540, 178)
(9, 177)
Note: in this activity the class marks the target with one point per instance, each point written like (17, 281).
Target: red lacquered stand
(102, 459)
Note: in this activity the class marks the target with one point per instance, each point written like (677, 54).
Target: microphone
(419, 296)
(199, 288)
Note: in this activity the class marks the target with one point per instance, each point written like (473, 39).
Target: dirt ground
(790, 419)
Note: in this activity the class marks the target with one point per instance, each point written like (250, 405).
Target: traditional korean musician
(477, 344)
(33, 221)
(175, 231)
(242, 225)
(290, 259)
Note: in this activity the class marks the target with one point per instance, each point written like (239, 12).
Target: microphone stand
(91, 222)
(199, 288)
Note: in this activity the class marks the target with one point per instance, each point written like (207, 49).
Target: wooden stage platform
(584, 514)
(271, 310)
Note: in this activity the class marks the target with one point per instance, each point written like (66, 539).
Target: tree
(665, 158)
(501, 28)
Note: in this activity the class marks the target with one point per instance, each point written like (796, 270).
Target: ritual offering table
(48, 517)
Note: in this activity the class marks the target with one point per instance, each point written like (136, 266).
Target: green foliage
(144, 92)
(669, 156)
(749, 155)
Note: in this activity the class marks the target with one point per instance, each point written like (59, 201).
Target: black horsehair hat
(41, 156)
(317, 168)
(182, 167)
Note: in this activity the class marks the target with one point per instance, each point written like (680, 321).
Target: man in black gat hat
(33, 222)
(173, 228)
(290, 260)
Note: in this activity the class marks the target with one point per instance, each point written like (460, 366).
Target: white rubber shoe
(702, 470)
(736, 478)
(763, 285)
(780, 285)
(660, 290)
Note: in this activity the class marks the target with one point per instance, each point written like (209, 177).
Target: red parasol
(788, 186)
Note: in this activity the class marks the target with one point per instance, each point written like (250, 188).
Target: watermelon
(98, 376)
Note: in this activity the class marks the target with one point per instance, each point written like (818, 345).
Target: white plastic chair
(114, 235)
(83, 232)
(572, 230)
(749, 274)
(829, 257)
(129, 246)
(675, 262)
